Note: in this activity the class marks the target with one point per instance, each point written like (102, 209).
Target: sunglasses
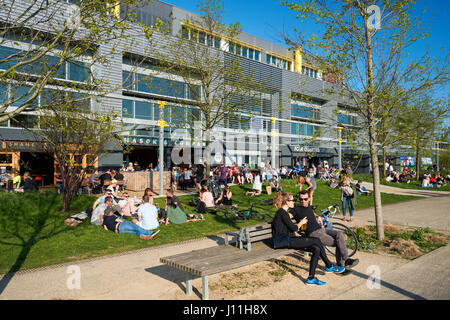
(291, 200)
(303, 199)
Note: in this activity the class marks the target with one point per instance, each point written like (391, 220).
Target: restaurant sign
(21, 146)
(140, 141)
(306, 149)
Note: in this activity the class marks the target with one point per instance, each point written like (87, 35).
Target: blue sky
(267, 19)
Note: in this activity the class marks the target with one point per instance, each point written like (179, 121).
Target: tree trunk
(383, 170)
(417, 158)
(370, 98)
(207, 159)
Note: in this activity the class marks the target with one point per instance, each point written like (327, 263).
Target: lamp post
(161, 124)
(340, 127)
(274, 135)
(437, 162)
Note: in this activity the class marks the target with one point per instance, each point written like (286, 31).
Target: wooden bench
(209, 261)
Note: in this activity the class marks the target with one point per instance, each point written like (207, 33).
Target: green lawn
(32, 232)
(414, 184)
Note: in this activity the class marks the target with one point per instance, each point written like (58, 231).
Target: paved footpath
(140, 275)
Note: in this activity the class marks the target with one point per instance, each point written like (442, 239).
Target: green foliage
(32, 232)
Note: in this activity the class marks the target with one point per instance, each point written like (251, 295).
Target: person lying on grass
(176, 215)
(117, 225)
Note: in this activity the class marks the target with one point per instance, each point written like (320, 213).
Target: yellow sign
(162, 123)
(274, 120)
(162, 104)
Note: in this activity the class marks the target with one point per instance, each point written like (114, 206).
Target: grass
(33, 233)
(414, 184)
(406, 242)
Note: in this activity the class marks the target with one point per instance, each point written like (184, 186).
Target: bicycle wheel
(350, 239)
(261, 216)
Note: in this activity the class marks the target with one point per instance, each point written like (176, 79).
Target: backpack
(347, 191)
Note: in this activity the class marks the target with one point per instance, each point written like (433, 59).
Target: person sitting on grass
(361, 189)
(127, 205)
(225, 198)
(275, 185)
(176, 215)
(257, 186)
(117, 225)
(147, 215)
(148, 192)
(99, 210)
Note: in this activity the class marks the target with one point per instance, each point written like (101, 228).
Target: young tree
(419, 123)
(217, 83)
(76, 137)
(50, 42)
(359, 40)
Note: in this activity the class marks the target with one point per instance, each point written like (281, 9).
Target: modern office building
(295, 102)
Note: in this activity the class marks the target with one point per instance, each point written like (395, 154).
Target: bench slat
(260, 237)
(259, 233)
(259, 227)
(195, 254)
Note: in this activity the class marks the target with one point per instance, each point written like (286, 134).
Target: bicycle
(351, 238)
(251, 213)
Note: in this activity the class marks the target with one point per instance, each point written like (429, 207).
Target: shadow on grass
(27, 219)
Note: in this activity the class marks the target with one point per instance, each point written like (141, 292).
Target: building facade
(295, 109)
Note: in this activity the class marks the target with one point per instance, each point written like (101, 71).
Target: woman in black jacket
(285, 235)
(28, 183)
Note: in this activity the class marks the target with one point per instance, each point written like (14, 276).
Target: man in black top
(314, 228)
(169, 194)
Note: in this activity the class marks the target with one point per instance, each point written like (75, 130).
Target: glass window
(156, 111)
(193, 92)
(231, 47)
(79, 71)
(257, 53)
(217, 42)
(143, 83)
(20, 91)
(268, 59)
(250, 53)
(178, 116)
(342, 118)
(274, 61)
(238, 50)
(61, 72)
(80, 100)
(301, 111)
(244, 51)
(23, 121)
(127, 80)
(127, 108)
(202, 37)
(193, 114)
(143, 110)
(5, 52)
(184, 32)
(3, 93)
(5, 158)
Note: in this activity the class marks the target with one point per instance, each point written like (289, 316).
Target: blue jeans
(347, 200)
(129, 227)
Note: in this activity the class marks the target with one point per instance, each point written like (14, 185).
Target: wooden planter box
(139, 181)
